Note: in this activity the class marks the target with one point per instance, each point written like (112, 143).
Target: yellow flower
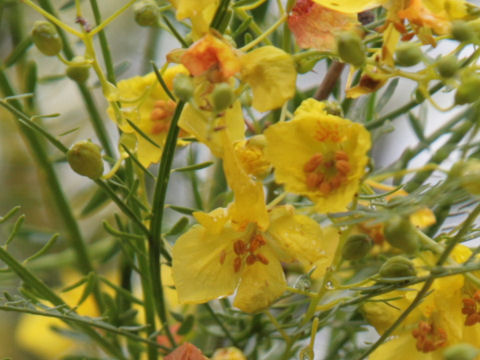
(319, 155)
(271, 74)
(145, 103)
(351, 6)
(439, 321)
(251, 155)
(215, 257)
(315, 26)
(200, 12)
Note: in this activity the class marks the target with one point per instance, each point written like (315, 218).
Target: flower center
(471, 309)
(327, 173)
(429, 338)
(247, 251)
(161, 115)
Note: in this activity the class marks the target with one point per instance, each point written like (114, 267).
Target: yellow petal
(202, 265)
(260, 284)
(197, 123)
(297, 237)
(200, 12)
(214, 221)
(249, 203)
(403, 347)
(272, 76)
(350, 6)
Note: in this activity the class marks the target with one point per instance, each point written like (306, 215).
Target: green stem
(221, 324)
(102, 37)
(95, 118)
(46, 293)
(155, 240)
(61, 202)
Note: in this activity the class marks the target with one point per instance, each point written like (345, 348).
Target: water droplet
(303, 283)
(329, 285)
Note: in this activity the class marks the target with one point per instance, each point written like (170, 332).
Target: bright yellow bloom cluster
(438, 322)
(319, 155)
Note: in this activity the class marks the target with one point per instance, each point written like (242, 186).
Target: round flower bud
(85, 159)
(222, 96)
(230, 353)
(408, 55)
(396, 267)
(419, 97)
(468, 91)
(356, 246)
(447, 66)
(46, 39)
(333, 108)
(468, 172)
(350, 48)
(462, 31)
(78, 70)
(461, 351)
(400, 233)
(183, 87)
(146, 13)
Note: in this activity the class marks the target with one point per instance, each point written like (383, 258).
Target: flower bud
(396, 267)
(183, 87)
(462, 31)
(468, 91)
(461, 351)
(78, 70)
(356, 246)
(333, 108)
(447, 66)
(146, 13)
(46, 38)
(350, 48)
(419, 97)
(408, 55)
(222, 96)
(85, 159)
(230, 353)
(468, 172)
(400, 233)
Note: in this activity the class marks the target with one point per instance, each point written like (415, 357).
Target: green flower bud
(333, 108)
(408, 55)
(306, 64)
(85, 159)
(468, 91)
(46, 38)
(222, 96)
(461, 352)
(183, 87)
(78, 70)
(468, 172)
(447, 66)
(396, 267)
(146, 13)
(462, 31)
(350, 48)
(356, 246)
(400, 233)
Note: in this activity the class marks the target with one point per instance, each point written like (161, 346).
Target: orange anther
(314, 180)
(158, 114)
(325, 187)
(256, 242)
(341, 155)
(313, 163)
(237, 264)
(239, 247)
(343, 167)
(251, 259)
(262, 259)
(476, 296)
